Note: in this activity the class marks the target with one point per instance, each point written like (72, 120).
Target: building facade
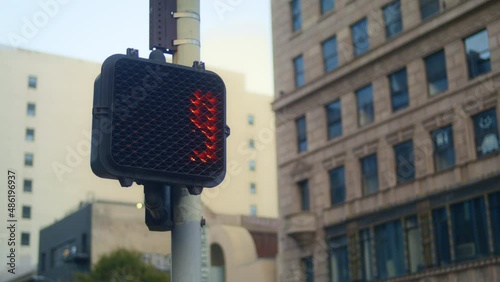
(46, 108)
(387, 119)
(236, 248)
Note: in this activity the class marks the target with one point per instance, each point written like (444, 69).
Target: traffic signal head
(158, 122)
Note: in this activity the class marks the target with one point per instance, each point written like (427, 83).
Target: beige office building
(46, 119)
(387, 118)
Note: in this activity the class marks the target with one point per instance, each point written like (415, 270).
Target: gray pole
(186, 234)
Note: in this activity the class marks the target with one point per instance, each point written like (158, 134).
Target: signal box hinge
(101, 111)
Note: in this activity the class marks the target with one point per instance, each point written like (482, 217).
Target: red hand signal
(203, 116)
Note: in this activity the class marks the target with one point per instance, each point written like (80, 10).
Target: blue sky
(235, 34)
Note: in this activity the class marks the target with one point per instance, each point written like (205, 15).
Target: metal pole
(186, 235)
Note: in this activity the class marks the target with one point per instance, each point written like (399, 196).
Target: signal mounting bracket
(194, 190)
(199, 66)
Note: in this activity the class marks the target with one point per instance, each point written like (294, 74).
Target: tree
(123, 266)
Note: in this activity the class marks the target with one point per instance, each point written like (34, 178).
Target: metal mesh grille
(151, 116)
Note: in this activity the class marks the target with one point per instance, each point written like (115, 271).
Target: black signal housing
(158, 122)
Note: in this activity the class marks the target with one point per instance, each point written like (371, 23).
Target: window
(42, 262)
(405, 168)
(413, 244)
(478, 53)
(365, 246)
(364, 97)
(253, 210)
(30, 134)
(337, 185)
(301, 134)
(441, 236)
(307, 265)
(392, 18)
(250, 119)
(339, 260)
(360, 38)
(389, 249)
(298, 66)
(444, 152)
(26, 212)
(31, 109)
(327, 5)
(84, 243)
(494, 204)
(428, 8)
(28, 159)
(32, 80)
(486, 132)
(469, 229)
(435, 68)
(253, 188)
(398, 82)
(25, 239)
(28, 185)
(296, 15)
(330, 54)
(52, 257)
(304, 195)
(251, 165)
(251, 144)
(334, 119)
(369, 174)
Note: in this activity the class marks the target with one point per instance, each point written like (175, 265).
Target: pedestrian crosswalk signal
(159, 122)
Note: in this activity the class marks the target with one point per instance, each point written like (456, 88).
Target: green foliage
(123, 266)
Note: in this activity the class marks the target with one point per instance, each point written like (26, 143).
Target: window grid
(251, 165)
(392, 18)
(334, 119)
(296, 15)
(414, 254)
(405, 167)
(250, 119)
(26, 212)
(28, 185)
(369, 174)
(428, 8)
(435, 69)
(304, 195)
(398, 82)
(251, 143)
(339, 259)
(486, 133)
(253, 188)
(253, 210)
(460, 233)
(32, 81)
(301, 128)
(330, 54)
(478, 53)
(28, 159)
(25, 239)
(307, 265)
(366, 254)
(327, 5)
(360, 37)
(444, 152)
(30, 134)
(31, 109)
(298, 65)
(364, 99)
(337, 185)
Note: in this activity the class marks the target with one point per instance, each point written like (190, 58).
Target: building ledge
(301, 227)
